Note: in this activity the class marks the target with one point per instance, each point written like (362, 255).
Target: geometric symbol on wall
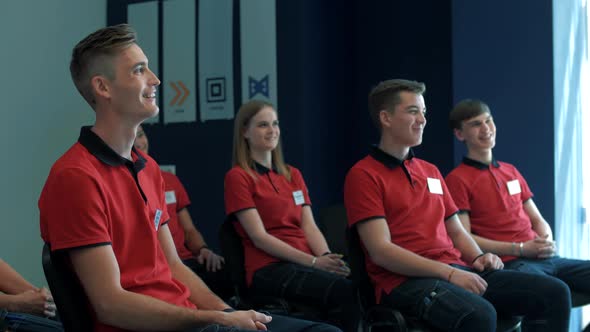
(215, 88)
(258, 86)
(184, 93)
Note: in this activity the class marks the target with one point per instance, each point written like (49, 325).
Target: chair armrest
(379, 315)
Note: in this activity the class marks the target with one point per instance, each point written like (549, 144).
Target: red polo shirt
(95, 197)
(495, 210)
(279, 203)
(381, 186)
(176, 200)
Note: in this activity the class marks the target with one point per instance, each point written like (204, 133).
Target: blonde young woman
(285, 252)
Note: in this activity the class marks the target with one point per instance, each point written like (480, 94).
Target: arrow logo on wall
(181, 93)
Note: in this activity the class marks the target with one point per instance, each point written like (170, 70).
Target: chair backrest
(580, 299)
(333, 224)
(68, 294)
(359, 276)
(233, 253)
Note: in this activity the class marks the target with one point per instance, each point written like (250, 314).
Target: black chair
(233, 252)
(332, 222)
(374, 316)
(579, 299)
(68, 294)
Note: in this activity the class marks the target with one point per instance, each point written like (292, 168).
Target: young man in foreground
(104, 204)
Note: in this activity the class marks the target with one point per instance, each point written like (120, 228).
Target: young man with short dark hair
(496, 204)
(104, 204)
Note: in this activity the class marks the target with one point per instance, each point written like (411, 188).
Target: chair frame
(69, 295)
(233, 252)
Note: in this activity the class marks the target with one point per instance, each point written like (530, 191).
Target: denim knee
(482, 318)
(452, 309)
(558, 293)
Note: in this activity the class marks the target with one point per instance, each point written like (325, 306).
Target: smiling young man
(496, 204)
(419, 257)
(104, 204)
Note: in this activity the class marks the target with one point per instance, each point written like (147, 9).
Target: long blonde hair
(241, 149)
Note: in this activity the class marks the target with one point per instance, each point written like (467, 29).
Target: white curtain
(570, 41)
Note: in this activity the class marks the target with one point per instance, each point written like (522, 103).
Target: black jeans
(574, 272)
(278, 324)
(16, 321)
(543, 301)
(308, 285)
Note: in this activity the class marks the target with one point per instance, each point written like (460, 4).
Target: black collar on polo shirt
(98, 148)
(386, 159)
(260, 169)
(479, 164)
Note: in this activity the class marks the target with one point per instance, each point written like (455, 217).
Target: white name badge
(513, 187)
(434, 186)
(170, 197)
(298, 197)
(157, 217)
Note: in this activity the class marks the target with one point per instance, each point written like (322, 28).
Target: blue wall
(503, 54)
(331, 53)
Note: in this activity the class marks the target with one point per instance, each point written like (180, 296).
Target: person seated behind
(286, 255)
(189, 242)
(20, 296)
(103, 204)
(496, 204)
(418, 256)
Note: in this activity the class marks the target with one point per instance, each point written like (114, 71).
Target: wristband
(451, 274)
(315, 259)
(476, 257)
(326, 253)
(521, 246)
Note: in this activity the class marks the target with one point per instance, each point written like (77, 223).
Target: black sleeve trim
(452, 214)
(240, 210)
(464, 212)
(368, 219)
(184, 207)
(84, 246)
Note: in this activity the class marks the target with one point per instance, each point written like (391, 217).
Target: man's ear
(384, 118)
(459, 134)
(101, 86)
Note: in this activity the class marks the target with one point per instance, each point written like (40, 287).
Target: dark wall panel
(331, 53)
(411, 40)
(503, 54)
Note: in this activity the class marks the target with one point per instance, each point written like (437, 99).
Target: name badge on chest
(434, 186)
(170, 197)
(513, 187)
(157, 218)
(298, 197)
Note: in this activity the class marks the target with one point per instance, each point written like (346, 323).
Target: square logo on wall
(215, 88)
